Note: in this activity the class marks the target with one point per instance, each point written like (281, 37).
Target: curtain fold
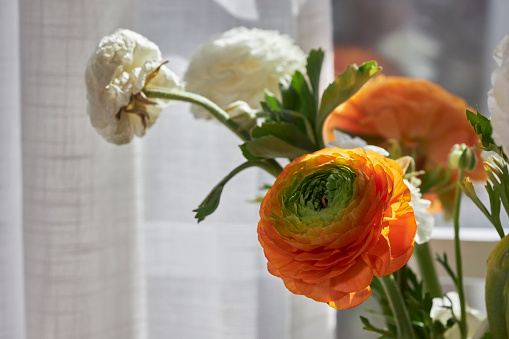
(98, 241)
(81, 202)
(11, 267)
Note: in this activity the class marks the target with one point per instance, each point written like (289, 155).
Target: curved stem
(272, 167)
(210, 106)
(398, 307)
(457, 249)
(427, 270)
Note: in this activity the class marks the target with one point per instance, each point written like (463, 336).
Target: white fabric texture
(98, 241)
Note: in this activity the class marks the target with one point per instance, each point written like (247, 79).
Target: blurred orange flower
(334, 219)
(422, 117)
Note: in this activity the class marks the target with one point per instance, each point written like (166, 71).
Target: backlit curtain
(98, 241)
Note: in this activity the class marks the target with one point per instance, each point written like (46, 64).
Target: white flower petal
(240, 64)
(425, 221)
(345, 141)
(442, 310)
(498, 96)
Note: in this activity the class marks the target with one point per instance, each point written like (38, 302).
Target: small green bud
(462, 157)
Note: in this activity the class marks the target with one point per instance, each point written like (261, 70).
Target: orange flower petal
(423, 117)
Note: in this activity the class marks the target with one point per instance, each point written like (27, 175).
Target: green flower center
(320, 196)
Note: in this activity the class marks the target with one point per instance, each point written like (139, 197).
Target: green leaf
(297, 97)
(289, 96)
(273, 103)
(482, 127)
(306, 104)
(314, 68)
(371, 328)
(270, 147)
(286, 132)
(345, 85)
(247, 154)
(277, 140)
(443, 260)
(211, 202)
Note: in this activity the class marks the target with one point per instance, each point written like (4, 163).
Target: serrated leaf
(344, 86)
(314, 68)
(482, 127)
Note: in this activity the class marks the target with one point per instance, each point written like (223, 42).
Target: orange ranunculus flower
(423, 117)
(334, 219)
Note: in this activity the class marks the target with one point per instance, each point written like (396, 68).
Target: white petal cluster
(425, 221)
(240, 64)
(498, 96)
(123, 64)
(443, 309)
(345, 141)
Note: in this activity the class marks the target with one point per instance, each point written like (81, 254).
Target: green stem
(271, 166)
(214, 109)
(398, 307)
(457, 249)
(426, 264)
(319, 134)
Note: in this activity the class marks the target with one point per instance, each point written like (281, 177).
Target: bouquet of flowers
(345, 215)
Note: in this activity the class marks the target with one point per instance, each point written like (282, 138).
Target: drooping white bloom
(443, 309)
(239, 65)
(345, 141)
(498, 96)
(425, 221)
(123, 64)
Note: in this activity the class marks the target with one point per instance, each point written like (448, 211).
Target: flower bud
(242, 114)
(462, 157)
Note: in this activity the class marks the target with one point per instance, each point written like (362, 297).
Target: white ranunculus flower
(239, 65)
(123, 64)
(498, 96)
(442, 309)
(425, 221)
(345, 141)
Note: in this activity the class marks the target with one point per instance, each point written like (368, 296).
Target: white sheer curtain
(99, 241)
